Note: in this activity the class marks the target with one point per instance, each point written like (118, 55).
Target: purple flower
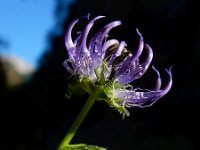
(106, 64)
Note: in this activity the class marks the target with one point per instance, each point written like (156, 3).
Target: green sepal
(110, 86)
(99, 72)
(112, 101)
(87, 85)
(81, 85)
(74, 87)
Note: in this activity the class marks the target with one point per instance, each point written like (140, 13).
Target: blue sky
(25, 24)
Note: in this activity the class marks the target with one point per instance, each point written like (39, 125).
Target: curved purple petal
(144, 66)
(135, 72)
(70, 45)
(68, 40)
(97, 41)
(95, 63)
(158, 81)
(83, 39)
(124, 66)
(140, 47)
(68, 37)
(117, 53)
(131, 98)
(107, 45)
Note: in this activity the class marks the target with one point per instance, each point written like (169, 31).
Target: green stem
(76, 124)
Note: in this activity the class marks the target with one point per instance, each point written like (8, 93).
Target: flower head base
(106, 65)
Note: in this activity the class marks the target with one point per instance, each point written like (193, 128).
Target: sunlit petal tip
(169, 84)
(68, 38)
(96, 18)
(116, 23)
(158, 81)
(124, 43)
(109, 26)
(150, 51)
(138, 33)
(157, 72)
(109, 43)
(169, 71)
(118, 52)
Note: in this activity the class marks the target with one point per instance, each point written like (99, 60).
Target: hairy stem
(76, 124)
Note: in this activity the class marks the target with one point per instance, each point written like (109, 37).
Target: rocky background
(35, 115)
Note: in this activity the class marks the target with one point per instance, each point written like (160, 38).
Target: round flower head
(106, 65)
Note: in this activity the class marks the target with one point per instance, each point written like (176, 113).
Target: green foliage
(83, 147)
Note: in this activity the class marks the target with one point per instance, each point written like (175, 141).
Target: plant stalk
(76, 124)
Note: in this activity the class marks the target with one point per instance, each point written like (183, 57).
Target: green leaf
(83, 147)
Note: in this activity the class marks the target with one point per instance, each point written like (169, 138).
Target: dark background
(36, 115)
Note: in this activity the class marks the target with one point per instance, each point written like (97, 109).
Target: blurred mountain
(16, 69)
